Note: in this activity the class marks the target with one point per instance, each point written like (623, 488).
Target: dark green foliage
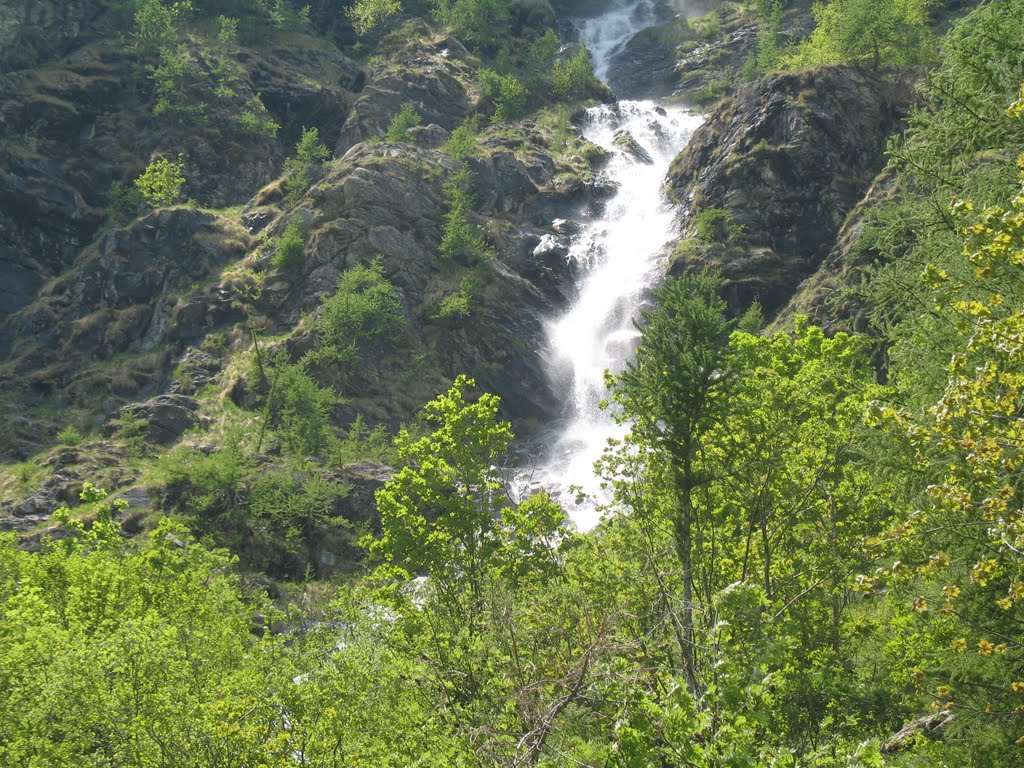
(123, 200)
(398, 128)
(370, 15)
(176, 78)
(158, 26)
(507, 92)
(457, 305)
(305, 167)
(364, 309)
(299, 410)
(256, 120)
(132, 430)
(294, 510)
(291, 246)
(675, 392)
(360, 443)
(70, 435)
(209, 482)
(769, 52)
(964, 143)
(462, 143)
(460, 239)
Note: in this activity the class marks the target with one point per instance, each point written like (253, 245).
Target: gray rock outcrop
(783, 162)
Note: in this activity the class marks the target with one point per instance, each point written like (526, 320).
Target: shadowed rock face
(787, 158)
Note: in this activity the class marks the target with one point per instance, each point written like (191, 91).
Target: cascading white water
(606, 34)
(621, 252)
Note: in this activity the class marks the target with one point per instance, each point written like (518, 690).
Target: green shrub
(369, 15)
(398, 128)
(304, 168)
(69, 435)
(880, 32)
(460, 240)
(207, 482)
(573, 78)
(171, 79)
(293, 511)
(712, 225)
(360, 443)
(132, 430)
(364, 308)
(508, 94)
(160, 184)
(124, 200)
(256, 120)
(156, 24)
(456, 305)
(299, 410)
(462, 143)
(542, 51)
(291, 246)
(227, 30)
(478, 22)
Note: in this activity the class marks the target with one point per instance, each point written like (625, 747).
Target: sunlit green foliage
(370, 15)
(398, 128)
(157, 26)
(573, 78)
(886, 33)
(160, 184)
(479, 22)
(462, 143)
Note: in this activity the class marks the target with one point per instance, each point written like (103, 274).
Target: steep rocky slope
(775, 170)
(113, 316)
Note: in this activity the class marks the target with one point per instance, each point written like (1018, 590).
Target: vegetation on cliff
(804, 562)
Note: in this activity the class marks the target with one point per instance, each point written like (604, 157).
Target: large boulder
(166, 417)
(782, 163)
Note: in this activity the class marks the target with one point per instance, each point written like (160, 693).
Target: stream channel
(622, 252)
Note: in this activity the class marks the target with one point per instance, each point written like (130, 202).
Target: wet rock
(625, 141)
(257, 221)
(828, 297)
(139, 499)
(281, 75)
(42, 30)
(364, 478)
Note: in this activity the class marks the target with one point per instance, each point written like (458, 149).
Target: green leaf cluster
(160, 184)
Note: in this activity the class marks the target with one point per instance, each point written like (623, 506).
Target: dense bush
(291, 246)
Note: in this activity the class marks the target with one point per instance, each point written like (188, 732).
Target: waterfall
(621, 253)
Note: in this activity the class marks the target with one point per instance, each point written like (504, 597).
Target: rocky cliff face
(97, 311)
(778, 166)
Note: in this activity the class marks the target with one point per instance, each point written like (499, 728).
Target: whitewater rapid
(621, 253)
